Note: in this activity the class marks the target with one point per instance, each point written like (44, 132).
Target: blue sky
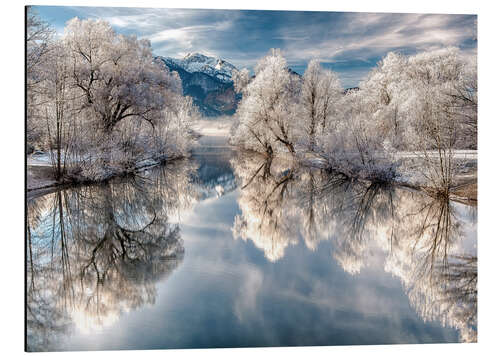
(349, 43)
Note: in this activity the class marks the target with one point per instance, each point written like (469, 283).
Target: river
(229, 250)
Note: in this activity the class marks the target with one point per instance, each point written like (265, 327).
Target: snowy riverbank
(39, 169)
(39, 173)
(407, 169)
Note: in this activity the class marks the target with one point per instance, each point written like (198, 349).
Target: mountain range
(208, 80)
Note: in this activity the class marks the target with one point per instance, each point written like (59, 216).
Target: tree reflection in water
(95, 252)
(421, 237)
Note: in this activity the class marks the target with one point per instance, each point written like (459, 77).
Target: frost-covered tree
(352, 144)
(331, 101)
(321, 90)
(241, 79)
(432, 84)
(104, 105)
(464, 95)
(174, 133)
(57, 108)
(266, 122)
(381, 92)
(425, 103)
(116, 74)
(38, 36)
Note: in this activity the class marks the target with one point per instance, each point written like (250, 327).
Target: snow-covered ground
(42, 159)
(457, 154)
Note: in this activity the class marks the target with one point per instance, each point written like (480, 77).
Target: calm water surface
(228, 250)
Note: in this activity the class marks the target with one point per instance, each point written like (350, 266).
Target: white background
(12, 172)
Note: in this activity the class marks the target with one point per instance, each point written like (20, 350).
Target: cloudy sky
(349, 43)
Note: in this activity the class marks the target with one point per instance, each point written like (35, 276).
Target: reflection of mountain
(215, 180)
(96, 252)
(214, 176)
(424, 240)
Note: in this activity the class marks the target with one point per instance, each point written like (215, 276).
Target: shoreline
(464, 191)
(40, 169)
(51, 185)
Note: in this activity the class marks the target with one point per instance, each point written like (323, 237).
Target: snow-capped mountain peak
(196, 57)
(208, 80)
(197, 62)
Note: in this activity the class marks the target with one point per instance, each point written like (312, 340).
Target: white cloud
(242, 38)
(371, 35)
